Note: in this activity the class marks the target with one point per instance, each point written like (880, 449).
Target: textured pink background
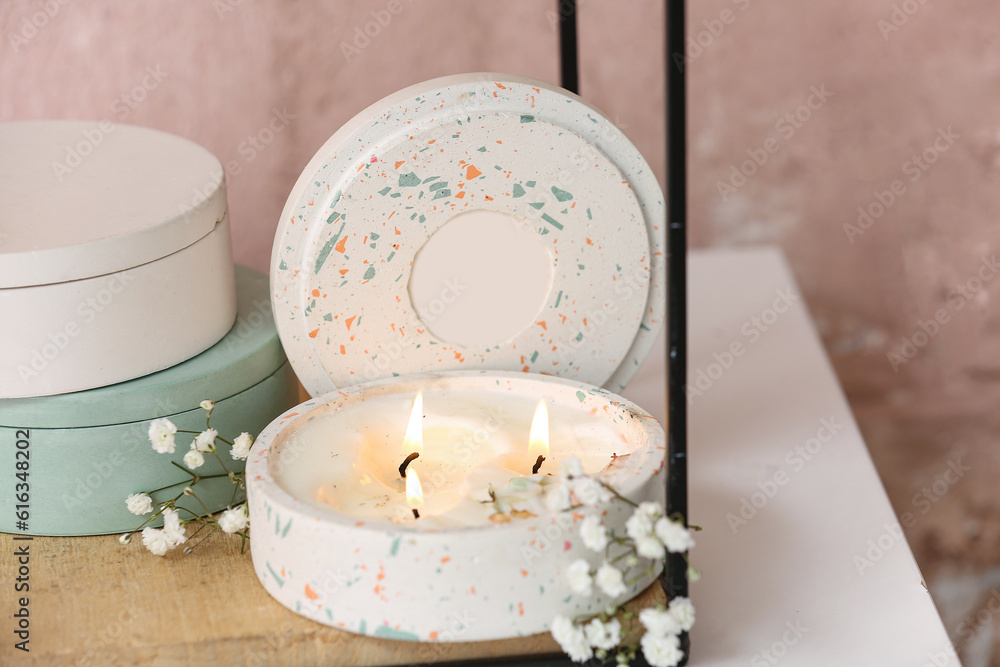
(230, 64)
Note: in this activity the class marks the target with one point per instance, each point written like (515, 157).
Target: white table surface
(787, 587)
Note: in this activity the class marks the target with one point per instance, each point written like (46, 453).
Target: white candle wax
(472, 440)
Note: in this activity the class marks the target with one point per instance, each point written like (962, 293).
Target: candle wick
(416, 514)
(538, 464)
(402, 466)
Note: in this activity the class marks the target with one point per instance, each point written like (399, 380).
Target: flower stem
(616, 494)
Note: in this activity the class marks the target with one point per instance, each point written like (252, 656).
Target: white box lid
(80, 199)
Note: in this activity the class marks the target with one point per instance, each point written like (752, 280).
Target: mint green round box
(87, 451)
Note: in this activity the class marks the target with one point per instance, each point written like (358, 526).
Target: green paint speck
(526, 118)
(582, 396)
(370, 273)
(385, 632)
(325, 252)
(561, 195)
(518, 190)
(409, 180)
(552, 221)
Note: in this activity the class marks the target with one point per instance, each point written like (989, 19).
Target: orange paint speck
(350, 320)
(341, 244)
(343, 350)
(524, 573)
(310, 593)
(315, 292)
(542, 324)
(343, 271)
(472, 172)
(400, 164)
(460, 195)
(314, 333)
(433, 634)
(520, 609)
(446, 559)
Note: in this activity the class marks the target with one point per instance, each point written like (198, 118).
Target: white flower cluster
(575, 488)
(234, 519)
(579, 641)
(162, 434)
(661, 645)
(161, 540)
(653, 536)
(653, 532)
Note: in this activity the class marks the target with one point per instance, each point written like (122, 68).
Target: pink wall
(225, 66)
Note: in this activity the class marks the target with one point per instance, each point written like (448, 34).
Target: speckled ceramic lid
(478, 221)
(249, 353)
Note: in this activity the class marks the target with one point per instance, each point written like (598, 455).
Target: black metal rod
(568, 61)
(674, 578)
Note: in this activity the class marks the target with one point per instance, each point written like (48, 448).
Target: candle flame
(538, 441)
(414, 494)
(413, 441)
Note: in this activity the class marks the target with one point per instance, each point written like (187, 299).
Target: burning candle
(463, 526)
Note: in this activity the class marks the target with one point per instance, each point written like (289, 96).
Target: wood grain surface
(95, 602)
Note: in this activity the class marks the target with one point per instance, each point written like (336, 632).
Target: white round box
(115, 259)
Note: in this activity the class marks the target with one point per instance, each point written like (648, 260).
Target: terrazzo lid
(80, 199)
(477, 221)
(249, 353)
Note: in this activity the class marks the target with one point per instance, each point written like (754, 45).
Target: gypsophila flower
(156, 541)
(578, 575)
(194, 459)
(610, 580)
(593, 533)
(572, 639)
(234, 520)
(638, 526)
(161, 435)
(659, 622)
(603, 635)
(675, 536)
(589, 491)
(139, 503)
(649, 547)
(205, 441)
(650, 510)
(661, 651)
(241, 447)
(207, 405)
(172, 527)
(683, 611)
(557, 499)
